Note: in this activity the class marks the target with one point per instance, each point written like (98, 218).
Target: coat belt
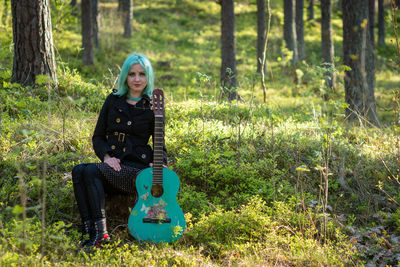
(123, 136)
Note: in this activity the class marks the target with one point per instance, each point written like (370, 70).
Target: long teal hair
(133, 59)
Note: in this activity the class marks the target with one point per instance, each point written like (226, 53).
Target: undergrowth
(276, 183)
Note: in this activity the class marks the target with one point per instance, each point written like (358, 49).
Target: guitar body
(158, 219)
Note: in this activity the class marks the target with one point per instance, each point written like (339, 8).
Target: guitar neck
(158, 148)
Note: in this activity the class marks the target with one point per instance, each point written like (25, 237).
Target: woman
(120, 141)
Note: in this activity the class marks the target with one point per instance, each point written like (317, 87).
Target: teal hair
(133, 59)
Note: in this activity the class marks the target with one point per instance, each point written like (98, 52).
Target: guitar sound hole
(157, 190)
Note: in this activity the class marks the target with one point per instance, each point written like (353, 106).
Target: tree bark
(228, 48)
(327, 40)
(127, 11)
(310, 10)
(261, 27)
(33, 41)
(87, 32)
(300, 29)
(96, 23)
(289, 28)
(381, 23)
(356, 41)
(73, 3)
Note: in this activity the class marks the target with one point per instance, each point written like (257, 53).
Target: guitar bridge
(156, 220)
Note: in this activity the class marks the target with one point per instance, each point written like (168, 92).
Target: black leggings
(89, 191)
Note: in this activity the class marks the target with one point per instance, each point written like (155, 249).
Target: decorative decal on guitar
(157, 211)
(145, 209)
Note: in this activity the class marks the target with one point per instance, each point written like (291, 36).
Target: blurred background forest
(295, 165)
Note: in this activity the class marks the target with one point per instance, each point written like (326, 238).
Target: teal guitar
(157, 216)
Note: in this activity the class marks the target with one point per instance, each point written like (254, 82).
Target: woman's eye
(142, 74)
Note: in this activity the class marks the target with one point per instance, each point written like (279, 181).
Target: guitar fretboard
(158, 159)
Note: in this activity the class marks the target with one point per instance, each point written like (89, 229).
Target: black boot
(87, 228)
(99, 235)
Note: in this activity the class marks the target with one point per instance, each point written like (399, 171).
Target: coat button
(120, 110)
(124, 149)
(112, 147)
(129, 123)
(144, 101)
(115, 133)
(118, 120)
(143, 156)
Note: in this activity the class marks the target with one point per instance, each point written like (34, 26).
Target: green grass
(251, 172)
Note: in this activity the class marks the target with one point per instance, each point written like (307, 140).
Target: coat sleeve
(99, 138)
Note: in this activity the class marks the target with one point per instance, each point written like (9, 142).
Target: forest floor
(288, 182)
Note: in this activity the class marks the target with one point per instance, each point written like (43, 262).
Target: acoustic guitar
(157, 216)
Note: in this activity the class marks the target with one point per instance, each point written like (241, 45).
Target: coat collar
(123, 106)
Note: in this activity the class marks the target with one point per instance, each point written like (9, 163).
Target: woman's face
(136, 79)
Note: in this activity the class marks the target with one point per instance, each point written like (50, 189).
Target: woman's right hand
(112, 162)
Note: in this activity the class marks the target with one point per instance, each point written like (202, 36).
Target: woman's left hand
(164, 166)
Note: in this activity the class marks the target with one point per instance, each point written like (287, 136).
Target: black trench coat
(123, 131)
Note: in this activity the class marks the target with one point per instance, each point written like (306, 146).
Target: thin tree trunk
(381, 23)
(264, 56)
(260, 33)
(120, 5)
(356, 40)
(33, 41)
(96, 22)
(371, 20)
(300, 29)
(327, 40)
(73, 3)
(87, 33)
(127, 12)
(228, 48)
(289, 28)
(310, 10)
(370, 51)
(5, 13)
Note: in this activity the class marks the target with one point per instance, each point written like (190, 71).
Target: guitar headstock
(157, 100)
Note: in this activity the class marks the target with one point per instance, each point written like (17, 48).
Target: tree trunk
(127, 11)
(327, 40)
(33, 41)
(118, 208)
(87, 33)
(96, 22)
(289, 28)
(261, 27)
(358, 94)
(339, 5)
(371, 20)
(300, 29)
(310, 11)
(370, 49)
(120, 5)
(381, 23)
(73, 3)
(5, 13)
(228, 48)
